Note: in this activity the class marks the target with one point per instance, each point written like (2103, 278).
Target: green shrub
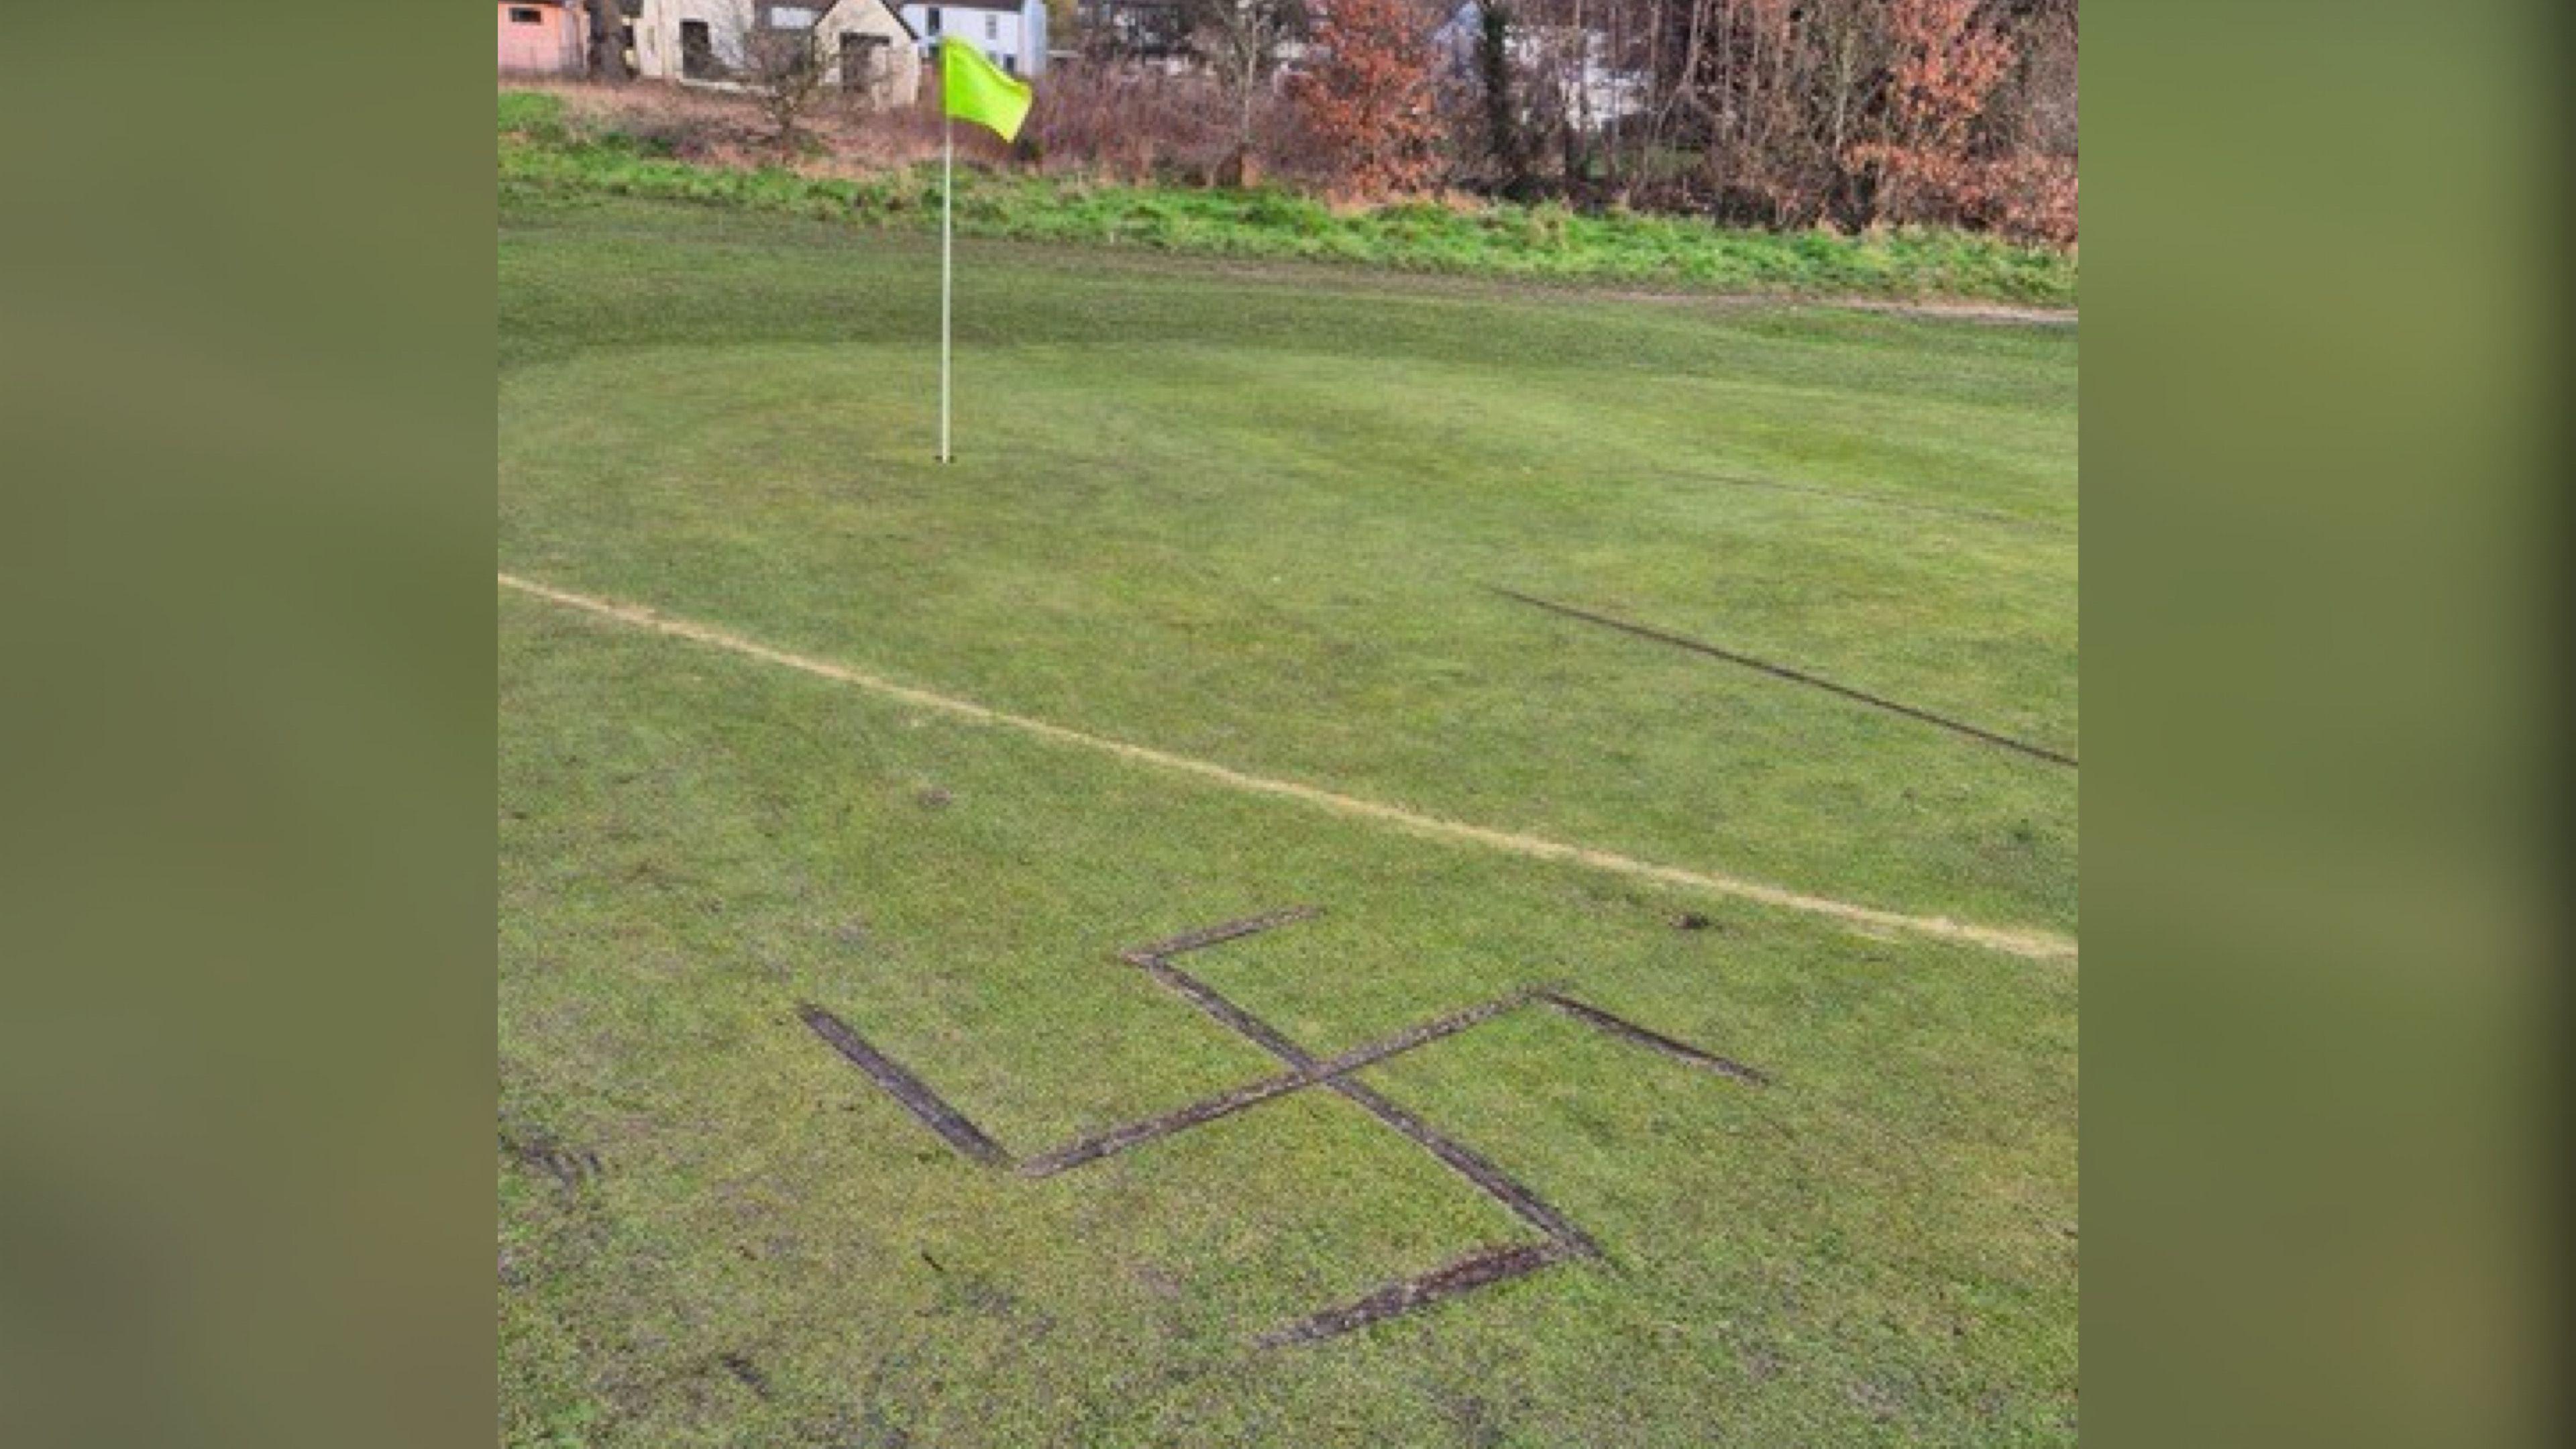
(533, 114)
(541, 155)
(1545, 227)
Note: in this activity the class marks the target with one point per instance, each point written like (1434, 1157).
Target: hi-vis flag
(973, 89)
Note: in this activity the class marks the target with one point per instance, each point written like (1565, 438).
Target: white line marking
(2036, 945)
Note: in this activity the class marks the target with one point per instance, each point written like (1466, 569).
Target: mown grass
(1257, 518)
(1248, 514)
(540, 151)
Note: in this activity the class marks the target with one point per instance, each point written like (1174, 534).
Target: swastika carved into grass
(1560, 1240)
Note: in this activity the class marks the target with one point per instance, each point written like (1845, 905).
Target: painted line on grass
(2031, 944)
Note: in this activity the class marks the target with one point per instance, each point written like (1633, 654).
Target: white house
(1585, 88)
(1012, 33)
(867, 44)
(1137, 29)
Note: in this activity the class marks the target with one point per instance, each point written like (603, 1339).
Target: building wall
(658, 51)
(1016, 40)
(900, 81)
(550, 44)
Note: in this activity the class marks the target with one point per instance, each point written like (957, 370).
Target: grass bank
(545, 153)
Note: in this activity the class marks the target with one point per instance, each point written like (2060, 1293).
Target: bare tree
(607, 41)
(781, 57)
(1552, 57)
(1504, 125)
(1239, 40)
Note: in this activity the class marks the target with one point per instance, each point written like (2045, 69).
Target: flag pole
(947, 245)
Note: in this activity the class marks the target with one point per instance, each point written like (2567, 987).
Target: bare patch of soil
(540, 1151)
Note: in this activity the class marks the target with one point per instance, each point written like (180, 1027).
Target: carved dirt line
(1478, 1270)
(1206, 998)
(1252, 1094)
(2032, 944)
(1206, 936)
(1137, 1134)
(906, 1088)
(1488, 1178)
(1794, 676)
(1563, 1240)
(1426, 1033)
(1469, 1164)
(1680, 1051)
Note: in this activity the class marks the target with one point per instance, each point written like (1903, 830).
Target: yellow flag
(973, 89)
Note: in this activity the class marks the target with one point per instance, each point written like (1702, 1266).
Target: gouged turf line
(2035, 945)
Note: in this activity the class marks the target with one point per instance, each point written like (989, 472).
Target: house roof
(895, 10)
(823, 10)
(1012, 7)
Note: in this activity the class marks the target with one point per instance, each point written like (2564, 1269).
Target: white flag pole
(947, 244)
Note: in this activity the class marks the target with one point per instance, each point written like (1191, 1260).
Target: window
(697, 51)
(1010, 65)
(527, 15)
(992, 26)
(863, 59)
(931, 19)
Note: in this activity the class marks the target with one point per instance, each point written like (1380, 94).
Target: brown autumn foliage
(1846, 114)
(1797, 113)
(1137, 123)
(1367, 99)
(1782, 113)
(1945, 62)
(2027, 194)
(2032, 122)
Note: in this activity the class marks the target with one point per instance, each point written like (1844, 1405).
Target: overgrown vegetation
(1772, 113)
(548, 152)
(1366, 98)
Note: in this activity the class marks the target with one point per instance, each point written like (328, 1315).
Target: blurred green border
(2324, 533)
(246, 292)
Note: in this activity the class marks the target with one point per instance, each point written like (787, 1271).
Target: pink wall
(552, 46)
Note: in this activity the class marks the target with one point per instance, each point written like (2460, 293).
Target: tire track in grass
(2036, 945)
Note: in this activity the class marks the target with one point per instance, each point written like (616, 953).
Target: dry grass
(850, 138)
(1110, 123)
